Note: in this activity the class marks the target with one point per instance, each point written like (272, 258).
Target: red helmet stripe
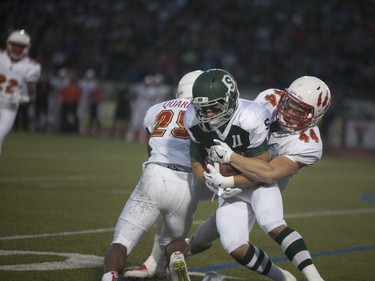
(325, 100)
(320, 98)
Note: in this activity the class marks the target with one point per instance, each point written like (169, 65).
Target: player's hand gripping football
(220, 185)
(220, 152)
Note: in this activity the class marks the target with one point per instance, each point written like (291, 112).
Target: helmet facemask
(17, 51)
(294, 115)
(215, 99)
(221, 109)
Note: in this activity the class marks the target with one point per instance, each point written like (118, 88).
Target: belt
(176, 167)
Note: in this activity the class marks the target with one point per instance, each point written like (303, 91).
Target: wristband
(228, 182)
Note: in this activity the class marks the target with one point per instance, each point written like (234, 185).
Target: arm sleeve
(33, 73)
(305, 157)
(149, 121)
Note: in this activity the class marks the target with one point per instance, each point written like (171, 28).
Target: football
(226, 170)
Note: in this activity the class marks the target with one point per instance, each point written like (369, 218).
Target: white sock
(278, 274)
(110, 276)
(157, 256)
(311, 273)
(288, 276)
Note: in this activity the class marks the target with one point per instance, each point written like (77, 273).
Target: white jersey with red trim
(167, 186)
(303, 147)
(14, 77)
(169, 139)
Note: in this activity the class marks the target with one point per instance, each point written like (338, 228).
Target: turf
(61, 195)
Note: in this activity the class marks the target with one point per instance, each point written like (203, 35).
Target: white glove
(15, 99)
(220, 185)
(213, 176)
(19, 99)
(223, 192)
(24, 99)
(220, 152)
(229, 192)
(213, 188)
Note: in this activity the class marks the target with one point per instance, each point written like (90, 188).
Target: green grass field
(60, 197)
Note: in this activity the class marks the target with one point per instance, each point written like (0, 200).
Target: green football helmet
(215, 90)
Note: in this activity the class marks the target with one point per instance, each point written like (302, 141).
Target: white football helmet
(18, 44)
(63, 72)
(90, 73)
(159, 79)
(148, 80)
(303, 104)
(185, 86)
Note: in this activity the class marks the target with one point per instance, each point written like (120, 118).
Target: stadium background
(264, 43)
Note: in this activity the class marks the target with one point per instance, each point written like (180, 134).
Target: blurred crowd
(262, 42)
(69, 104)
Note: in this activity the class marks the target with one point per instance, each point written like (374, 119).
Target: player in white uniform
(167, 187)
(295, 143)
(18, 77)
(145, 95)
(154, 266)
(87, 84)
(217, 112)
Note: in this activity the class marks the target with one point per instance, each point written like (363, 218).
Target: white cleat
(143, 272)
(213, 276)
(178, 267)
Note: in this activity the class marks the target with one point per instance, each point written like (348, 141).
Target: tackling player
(167, 187)
(18, 77)
(217, 112)
(295, 143)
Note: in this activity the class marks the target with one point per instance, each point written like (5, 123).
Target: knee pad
(269, 219)
(234, 224)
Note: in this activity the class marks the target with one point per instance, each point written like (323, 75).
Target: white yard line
(324, 213)
(66, 233)
(72, 260)
(321, 213)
